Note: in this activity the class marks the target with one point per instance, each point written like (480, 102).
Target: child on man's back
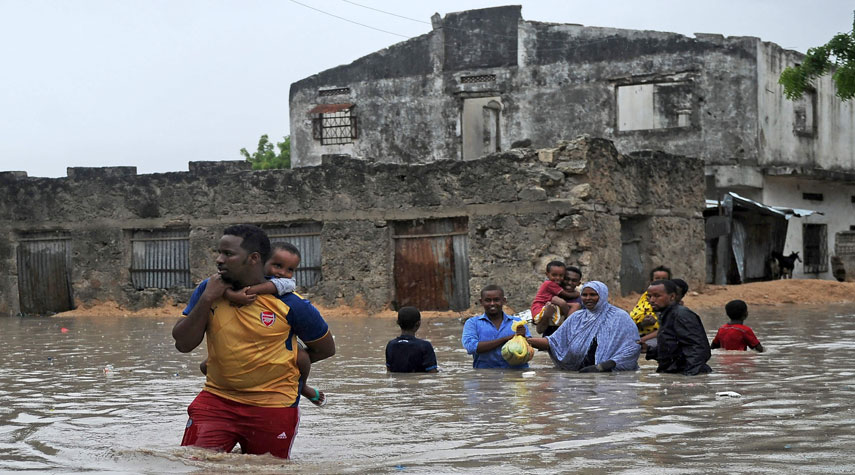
(550, 306)
(284, 260)
(735, 335)
(408, 354)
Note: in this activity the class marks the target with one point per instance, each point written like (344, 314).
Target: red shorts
(218, 423)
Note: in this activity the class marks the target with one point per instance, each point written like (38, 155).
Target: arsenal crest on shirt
(267, 318)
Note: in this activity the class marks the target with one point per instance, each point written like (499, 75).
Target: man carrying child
(553, 303)
(251, 393)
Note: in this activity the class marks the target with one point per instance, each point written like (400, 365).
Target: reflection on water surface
(110, 395)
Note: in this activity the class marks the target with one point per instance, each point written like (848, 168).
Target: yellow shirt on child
(643, 309)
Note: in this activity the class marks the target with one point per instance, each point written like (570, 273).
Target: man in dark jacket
(682, 341)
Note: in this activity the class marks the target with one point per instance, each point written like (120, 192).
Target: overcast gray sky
(158, 83)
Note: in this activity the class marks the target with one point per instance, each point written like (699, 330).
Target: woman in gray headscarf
(599, 337)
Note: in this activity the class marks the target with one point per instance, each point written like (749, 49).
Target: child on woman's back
(284, 260)
(734, 335)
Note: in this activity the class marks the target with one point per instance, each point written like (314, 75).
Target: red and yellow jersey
(252, 349)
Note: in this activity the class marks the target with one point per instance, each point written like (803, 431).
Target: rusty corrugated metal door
(44, 285)
(431, 267)
(423, 272)
(460, 248)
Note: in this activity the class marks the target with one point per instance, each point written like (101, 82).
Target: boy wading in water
(736, 335)
(284, 260)
(408, 354)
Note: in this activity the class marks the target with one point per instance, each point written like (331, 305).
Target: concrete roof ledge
(739, 38)
(224, 166)
(83, 173)
(709, 36)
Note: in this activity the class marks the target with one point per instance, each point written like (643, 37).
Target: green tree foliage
(265, 157)
(837, 55)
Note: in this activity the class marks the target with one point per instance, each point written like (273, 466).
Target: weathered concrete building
(371, 234)
(483, 79)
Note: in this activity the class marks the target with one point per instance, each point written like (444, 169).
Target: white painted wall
(635, 109)
(837, 208)
(832, 148)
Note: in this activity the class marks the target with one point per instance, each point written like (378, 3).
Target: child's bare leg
(545, 319)
(304, 364)
(562, 304)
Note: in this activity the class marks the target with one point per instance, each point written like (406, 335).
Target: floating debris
(727, 394)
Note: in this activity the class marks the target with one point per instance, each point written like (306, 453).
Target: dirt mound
(112, 309)
(776, 292)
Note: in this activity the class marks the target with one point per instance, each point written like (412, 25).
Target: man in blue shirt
(485, 334)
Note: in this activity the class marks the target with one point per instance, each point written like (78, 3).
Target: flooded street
(110, 395)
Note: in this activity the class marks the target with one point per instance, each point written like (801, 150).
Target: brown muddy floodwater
(61, 412)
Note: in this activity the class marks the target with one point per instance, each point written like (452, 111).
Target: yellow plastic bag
(517, 350)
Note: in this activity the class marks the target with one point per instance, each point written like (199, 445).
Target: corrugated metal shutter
(44, 268)
(460, 295)
(160, 259)
(431, 266)
(307, 238)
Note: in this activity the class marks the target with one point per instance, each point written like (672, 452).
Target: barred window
(160, 259)
(480, 78)
(334, 124)
(339, 91)
(307, 238)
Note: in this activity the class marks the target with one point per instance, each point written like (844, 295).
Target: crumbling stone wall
(555, 81)
(524, 207)
(361, 271)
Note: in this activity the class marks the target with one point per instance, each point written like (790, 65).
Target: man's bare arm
(189, 331)
(539, 343)
(568, 294)
(321, 348)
